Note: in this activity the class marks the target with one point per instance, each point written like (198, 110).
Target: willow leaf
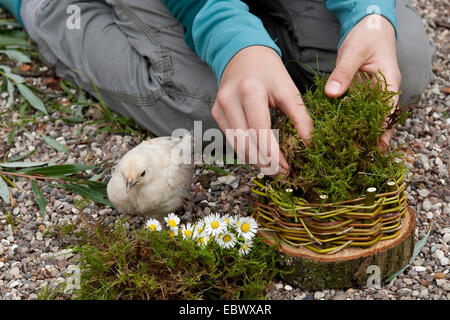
(39, 197)
(55, 144)
(31, 98)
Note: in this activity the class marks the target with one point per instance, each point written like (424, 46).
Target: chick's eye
(143, 174)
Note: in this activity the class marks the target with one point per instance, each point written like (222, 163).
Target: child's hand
(254, 80)
(369, 47)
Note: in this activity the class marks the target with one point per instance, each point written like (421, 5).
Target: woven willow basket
(330, 227)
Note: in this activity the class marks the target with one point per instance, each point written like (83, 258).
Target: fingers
(347, 65)
(247, 127)
(291, 104)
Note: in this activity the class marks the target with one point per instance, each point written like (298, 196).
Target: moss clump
(343, 158)
(142, 264)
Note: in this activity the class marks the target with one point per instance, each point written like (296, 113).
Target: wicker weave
(330, 227)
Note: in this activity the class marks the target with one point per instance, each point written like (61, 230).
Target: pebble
(230, 180)
(15, 272)
(423, 192)
(420, 268)
(288, 287)
(446, 238)
(427, 205)
(318, 295)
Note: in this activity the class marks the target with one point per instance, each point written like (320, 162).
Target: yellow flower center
(244, 247)
(226, 238)
(214, 224)
(187, 233)
(172, 223)
(172, 233)
(245, 227)
(202, 240)
(153, 227)
(227, 221)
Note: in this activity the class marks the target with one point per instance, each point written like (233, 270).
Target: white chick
(151, 179)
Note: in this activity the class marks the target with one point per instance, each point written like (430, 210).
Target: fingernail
(333, 87)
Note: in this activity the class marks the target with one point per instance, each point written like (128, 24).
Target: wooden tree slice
(349, 267)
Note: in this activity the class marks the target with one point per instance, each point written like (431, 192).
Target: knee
(415, 53)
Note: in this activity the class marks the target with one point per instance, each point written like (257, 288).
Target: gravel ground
(32, 250)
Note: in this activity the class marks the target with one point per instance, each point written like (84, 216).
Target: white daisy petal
(245, 248)
(187, 230)
(215, 225)
(153, 225)
(226, 240)
(247, 227)
(172, 220)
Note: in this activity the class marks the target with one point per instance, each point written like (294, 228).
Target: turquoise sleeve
(350, 12)
(185, 12)
(219, 29)
(12, 6)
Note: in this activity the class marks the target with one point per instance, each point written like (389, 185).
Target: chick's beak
(130, 184)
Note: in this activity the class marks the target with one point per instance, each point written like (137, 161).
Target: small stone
(319, 295)
(15, 272)
(427, 205)
(408, 281)
(230, 180)
(420, 268)
(33, 296)
(444, 284)
(439, 275)
(423, 192)
(215, 186)
(288, 287)
(404, 292)
(41, 228)
(444, 261)
(423, 294)
(446, 238)
(279, 286)
(415, 293)
(14, 284)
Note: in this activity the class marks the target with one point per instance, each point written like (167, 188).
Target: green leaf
(16, 78)
(10, 92)
(21, 164)
(5, 68)
(87, 193)
(58, 170)
(16, 55)
(39, 197)
(11, 137)
(416, 252)
(4, 191)
(31, 98)
(12, 41)
(10, 23)
(20, 157)
(55, 144)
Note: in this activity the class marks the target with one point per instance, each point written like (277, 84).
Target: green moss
(343, 158)
(141, 264)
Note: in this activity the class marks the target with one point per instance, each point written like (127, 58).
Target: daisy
(247, 227)
(203, 240)
(198, 229)
(214, 225)
(153, 225)
(173, 232)
(226, 240)
(187, 230)
(245, 248)
(172, 220)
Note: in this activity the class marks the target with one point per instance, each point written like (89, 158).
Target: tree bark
(349, 267)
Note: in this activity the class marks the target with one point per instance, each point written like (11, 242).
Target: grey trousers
(134, 52)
